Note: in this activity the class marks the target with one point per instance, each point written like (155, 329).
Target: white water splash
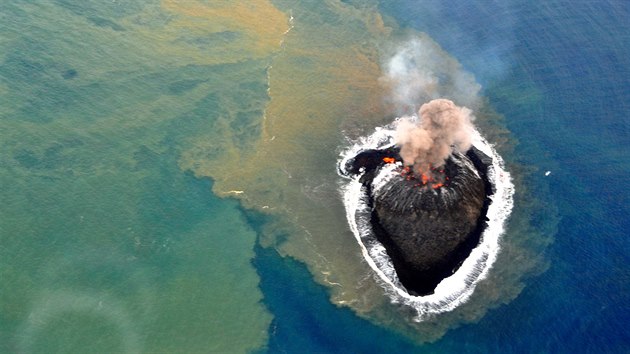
(456, 289)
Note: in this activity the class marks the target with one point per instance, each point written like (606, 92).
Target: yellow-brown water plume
(324, 80)
(324, 85)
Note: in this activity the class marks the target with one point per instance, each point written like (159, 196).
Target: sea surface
(168, 173)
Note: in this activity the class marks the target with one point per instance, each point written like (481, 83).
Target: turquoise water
(113, 116)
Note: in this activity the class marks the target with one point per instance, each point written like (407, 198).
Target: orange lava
(429, 179)
(389, 159)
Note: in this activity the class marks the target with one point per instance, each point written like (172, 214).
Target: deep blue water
(560, 73)
(305, 320)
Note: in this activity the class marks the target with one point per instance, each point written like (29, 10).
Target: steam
(429, 142)
(418, 71)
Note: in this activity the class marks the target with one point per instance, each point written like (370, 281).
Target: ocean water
(558, 71)
(168, 174)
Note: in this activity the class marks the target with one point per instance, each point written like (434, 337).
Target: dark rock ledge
(427, 232)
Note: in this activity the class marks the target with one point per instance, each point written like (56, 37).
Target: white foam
(456, 289)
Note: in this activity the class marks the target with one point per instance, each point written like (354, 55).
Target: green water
(106, 245)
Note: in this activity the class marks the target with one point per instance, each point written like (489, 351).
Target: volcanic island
(428, 194)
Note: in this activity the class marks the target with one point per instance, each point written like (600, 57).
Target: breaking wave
(455, 289)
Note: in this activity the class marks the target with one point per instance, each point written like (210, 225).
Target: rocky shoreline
(427, 231)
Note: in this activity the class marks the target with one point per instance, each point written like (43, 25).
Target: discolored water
(168, 182)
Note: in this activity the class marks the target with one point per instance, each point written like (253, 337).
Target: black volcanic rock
(427, 232)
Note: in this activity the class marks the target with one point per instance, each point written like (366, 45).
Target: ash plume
(428, 142)
(418, 71)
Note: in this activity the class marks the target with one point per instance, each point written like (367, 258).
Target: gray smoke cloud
(429, 141)
(419, 70)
